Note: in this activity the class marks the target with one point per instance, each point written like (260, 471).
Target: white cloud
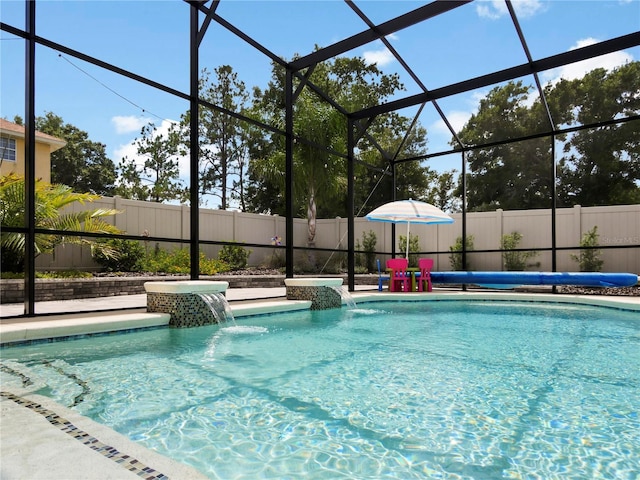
(379, 57)
(527, 8)
(129, 123)
(579, 69)
(382, 56)
(456, 118)
(494, 9)
(476, 97)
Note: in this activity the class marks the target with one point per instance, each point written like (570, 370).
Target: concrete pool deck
(42, 439)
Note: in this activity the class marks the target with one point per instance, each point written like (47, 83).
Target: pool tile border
(64, 425)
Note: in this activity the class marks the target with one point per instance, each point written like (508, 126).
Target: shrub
(515, 260)
(369, 241)
(235, 256)
(366, 262)
(64, 274)
(455, 257)
(128, 256)
(211, 266)
(359, 257)
(335, 264)
(276, 260)
(414, 247)
(179, 262)
(589, 259)
(301, 263)
(47, 274)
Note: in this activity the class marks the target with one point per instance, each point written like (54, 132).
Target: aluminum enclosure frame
(203, 15)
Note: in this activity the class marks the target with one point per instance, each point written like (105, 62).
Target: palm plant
(50, 201)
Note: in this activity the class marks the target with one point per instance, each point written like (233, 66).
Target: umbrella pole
(408, 236)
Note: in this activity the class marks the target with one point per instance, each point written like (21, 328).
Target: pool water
(454, 390)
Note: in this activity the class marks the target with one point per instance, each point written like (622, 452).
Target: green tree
(157, 179)
(265, 182)
(319, 176)
(222, 138)
(413, 180)
(82, 164)
(601, 166)
(50, 202)
(514, 175)
(319, 169)
(442, 192)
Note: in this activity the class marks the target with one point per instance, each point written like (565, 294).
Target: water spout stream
(346, 297)
(219, 306)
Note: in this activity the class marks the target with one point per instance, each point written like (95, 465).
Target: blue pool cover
(585, 279)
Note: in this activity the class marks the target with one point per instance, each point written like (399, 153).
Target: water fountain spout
(219, 306)
(345, 296)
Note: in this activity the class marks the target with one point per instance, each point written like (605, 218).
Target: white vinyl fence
(618, 226)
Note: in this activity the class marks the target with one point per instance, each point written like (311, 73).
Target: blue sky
(150, 38)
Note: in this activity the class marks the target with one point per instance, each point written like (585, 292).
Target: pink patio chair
(399, 277)
(425, 265)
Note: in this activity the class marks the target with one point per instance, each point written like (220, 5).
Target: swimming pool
(419, 390)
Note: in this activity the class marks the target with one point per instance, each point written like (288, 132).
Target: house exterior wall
(45, 146)
(43, 161)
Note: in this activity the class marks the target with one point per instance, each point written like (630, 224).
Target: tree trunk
(311, 217)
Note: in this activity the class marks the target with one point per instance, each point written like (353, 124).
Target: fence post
(186, 221)
(121, 218)
(577, 235)
(235, 226)
(276, 217)
(500, 219)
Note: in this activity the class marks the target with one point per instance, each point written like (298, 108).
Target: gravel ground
(618, 291)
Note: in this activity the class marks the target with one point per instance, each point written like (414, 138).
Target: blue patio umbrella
(408, 211)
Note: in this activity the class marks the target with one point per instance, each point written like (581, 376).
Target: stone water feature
(323, 293)
(191, 303)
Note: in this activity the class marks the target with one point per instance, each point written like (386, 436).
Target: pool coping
(24, 330)
(21, 330)
(619, 302)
